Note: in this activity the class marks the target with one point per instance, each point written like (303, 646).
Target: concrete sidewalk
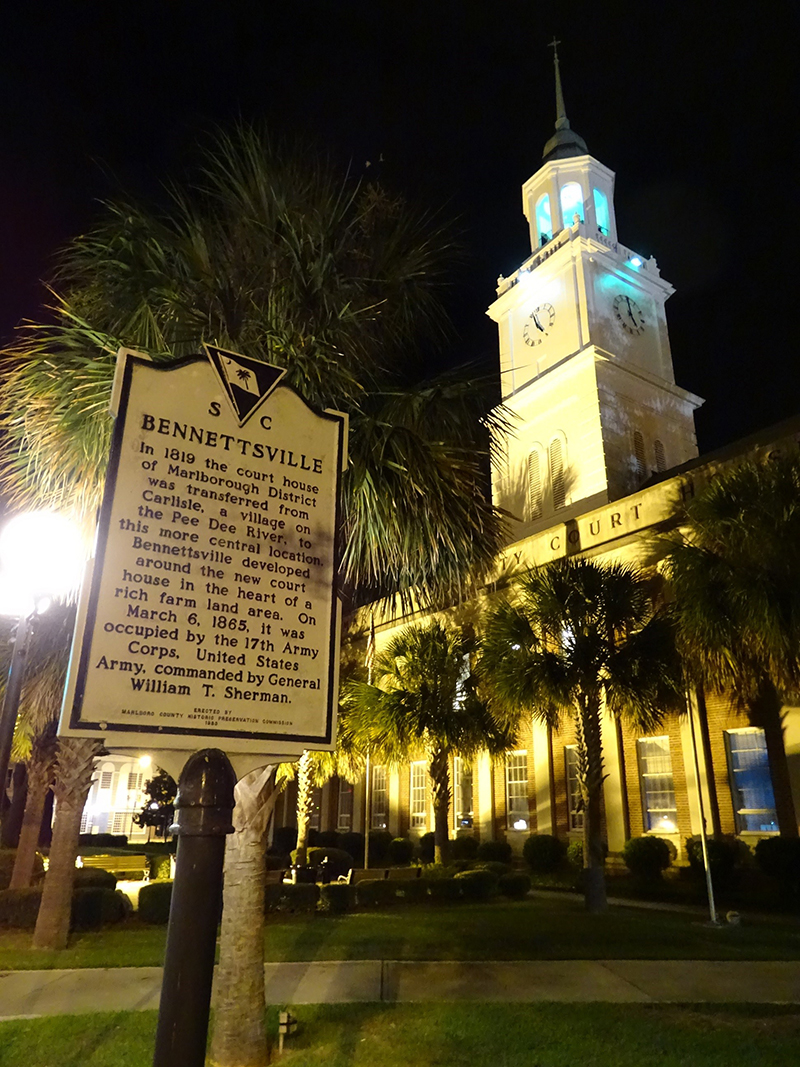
(28, 994)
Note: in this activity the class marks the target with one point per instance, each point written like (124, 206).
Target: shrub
(154, 902)
(94, 878)
(477, 884)
(499, 851)
(336, 898)
(438, 870)
(20, 907)
(329, 839)
(427, 847)
(104, 840)
(494, 866)
(575, 853)
(160, 867)
(95, 907)
(646, 857)
(273, 895)
(779, 857)
(375, 893)
(514, 885)
(277, 861)
(464, 847)
(337, 861)
(379, 841)
(284, 839)
(543, 852)
(444, 890)
(300, 897)
(414, 891)
(7, 858)
(354, 844)
(724, 858)
(400, 852)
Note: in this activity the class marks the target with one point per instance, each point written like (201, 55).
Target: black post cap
(205, 799)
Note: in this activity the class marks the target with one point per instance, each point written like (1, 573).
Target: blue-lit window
(544, 219)
(601, 211)
(751, 784)
(571, 203)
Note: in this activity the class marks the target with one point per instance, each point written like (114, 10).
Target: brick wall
(671, 729)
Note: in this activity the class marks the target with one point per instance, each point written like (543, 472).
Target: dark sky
(693, 105)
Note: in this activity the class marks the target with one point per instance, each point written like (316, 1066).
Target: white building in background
(116, 795)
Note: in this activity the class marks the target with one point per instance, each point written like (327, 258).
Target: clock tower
(585, 360)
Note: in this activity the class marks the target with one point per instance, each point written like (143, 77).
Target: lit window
(544, 220)
(601, 211)
(379, 800)
(462, 794)
(121, 822)
(571, 203)
(638, 454)
(419, 805)
(558, 481)
(106, 778)
(344, 815)
(751, 783)
(517, 812)
(534, 485)
(661, 459)
(314, 821)
(658, 789)
(574, 799)
(86, 822)
(134, 782)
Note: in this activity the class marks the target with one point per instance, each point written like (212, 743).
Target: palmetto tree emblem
(244, 376)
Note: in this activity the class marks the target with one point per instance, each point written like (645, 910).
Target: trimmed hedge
(336, 898)
(478, 884)
(104, 840)
(338, 862)
(7, 858)
(300, 897)
(353, 843)
(414, 891)
(498, 851)
(400, 852)
(725, 855)
(160, 867)
(779, 857)
(95, 907)
(464, 847)
(376, 893)
(494, 866)
(543, 852)
(515, 885)
(444, 890)
(94, 878)
(284, 839)
(427, 847)
(273, 895)
(20, 907)
(646, 857)
(154, 901)
(379, 841)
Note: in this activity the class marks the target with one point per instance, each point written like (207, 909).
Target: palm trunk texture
(305, 797)
(239, 1037)
(74, 769)
(439, 774)
(40, 777)
(590, 775)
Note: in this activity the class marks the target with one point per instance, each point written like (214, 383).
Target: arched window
(601, 211)
(638, 454)
(571, 203)
(661, 459)
(558, 481)
(544, 219)
(535, 485)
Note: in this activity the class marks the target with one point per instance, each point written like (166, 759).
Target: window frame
(379, 771)
(658, 813)
(575, 817)
(739, 812)
(418, 795)
(346, 789)
(515, 814)
(459, 765)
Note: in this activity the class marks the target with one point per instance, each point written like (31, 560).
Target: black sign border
(104, 523)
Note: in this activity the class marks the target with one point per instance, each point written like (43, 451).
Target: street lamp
(41, 558)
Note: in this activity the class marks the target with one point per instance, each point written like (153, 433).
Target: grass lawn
(525, 930)
(457, 1035)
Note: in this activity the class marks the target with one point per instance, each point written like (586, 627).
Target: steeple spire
(564, 142)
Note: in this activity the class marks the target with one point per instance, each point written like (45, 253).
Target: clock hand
(538, 324)
(630, 311)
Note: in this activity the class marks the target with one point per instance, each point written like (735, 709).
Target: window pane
(638, 452)
(316, 809)
(557, 480)
(571, 203)
(462, 794)
(544, 222)
(658, 790)
(344, 819)
(534, 485)
(105, 779)
(601, 210)
(751, 784)
(517, 812)
(419, 799)
(661, 458)
(379, 800)
(574, 799)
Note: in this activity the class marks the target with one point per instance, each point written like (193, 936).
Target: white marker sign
(211, 609)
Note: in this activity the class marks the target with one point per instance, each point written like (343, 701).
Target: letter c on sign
(266, 422)
(555, 544)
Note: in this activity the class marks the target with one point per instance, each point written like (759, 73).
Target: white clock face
(629, 315)
(538, 324)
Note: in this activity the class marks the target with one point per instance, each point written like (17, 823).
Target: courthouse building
(604, 448)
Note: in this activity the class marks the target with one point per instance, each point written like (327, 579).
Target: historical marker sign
(211, 611)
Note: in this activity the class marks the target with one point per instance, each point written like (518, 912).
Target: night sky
(693, 107)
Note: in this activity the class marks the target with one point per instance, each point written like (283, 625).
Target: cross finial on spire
(562, 122)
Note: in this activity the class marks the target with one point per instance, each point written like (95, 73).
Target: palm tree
(426, 699)
(576, 636)
(271, 254)
(736, 581)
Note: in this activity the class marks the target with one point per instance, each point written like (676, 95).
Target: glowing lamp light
(521, 824)
(668, 825)
(41, 558)
(145, 761)
(635, 262)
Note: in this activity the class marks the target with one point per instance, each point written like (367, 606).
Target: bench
(133, 864)
(380, 874)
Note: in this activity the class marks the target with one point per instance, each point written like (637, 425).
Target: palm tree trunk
(439, 773)
(305, 798)
(74, 768)
(14, 813)
(239, 1037)
(590, 776)
(765, 712)
(40, 777)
